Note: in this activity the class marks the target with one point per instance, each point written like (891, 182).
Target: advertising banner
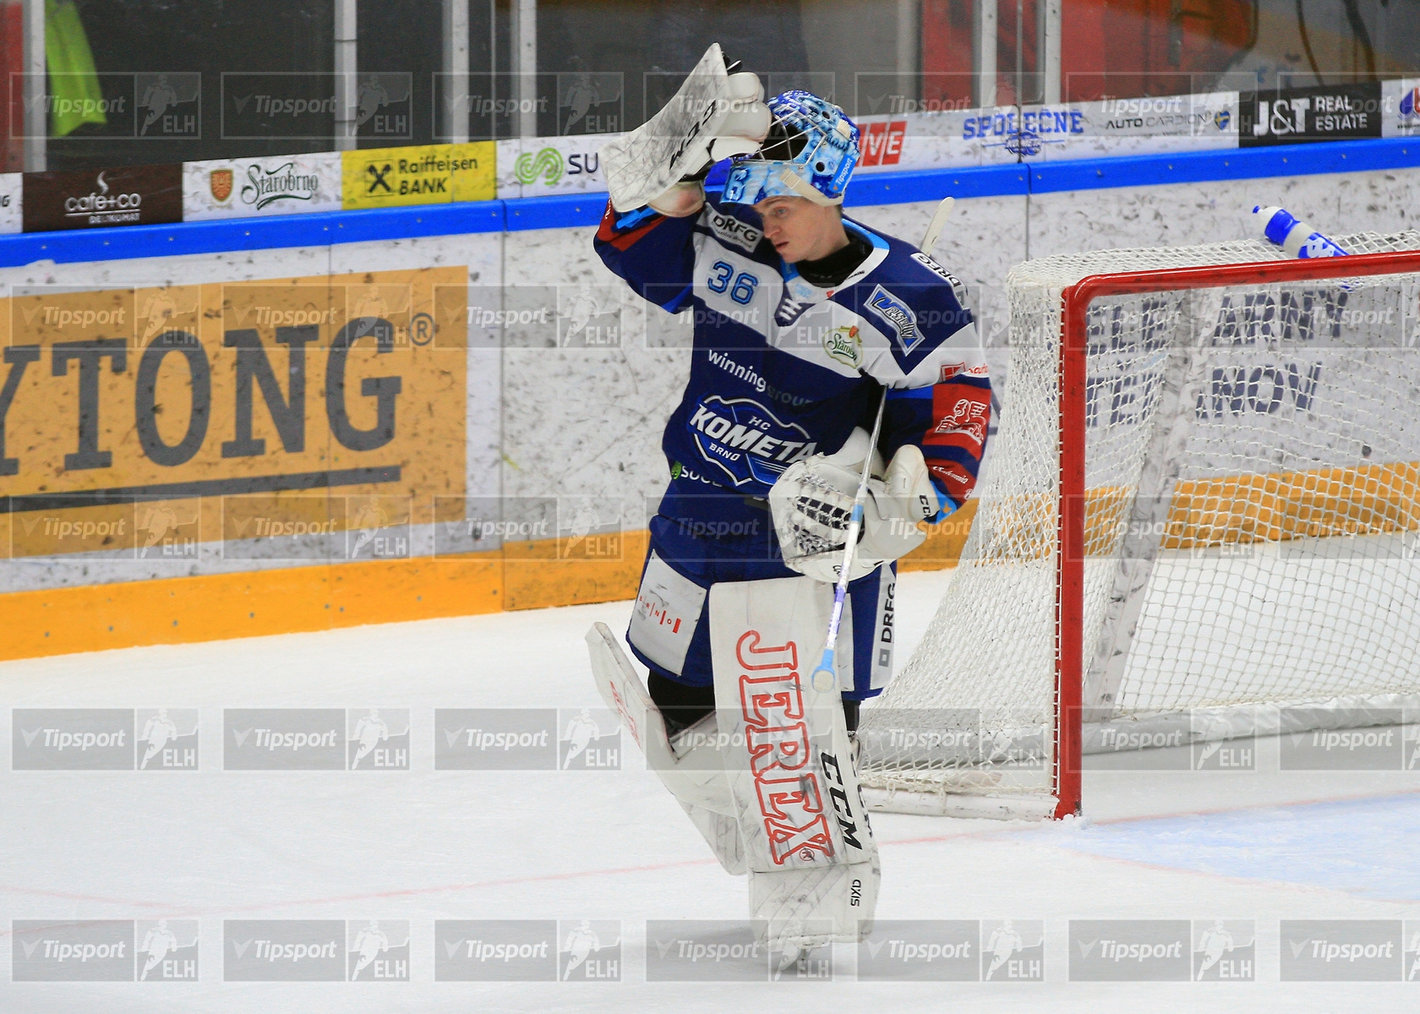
(95, 198)
(421, 174)
(273, 185)
(1341, 112)
(10, 188)
(539, 166)
(1400, 102)
(303, 406)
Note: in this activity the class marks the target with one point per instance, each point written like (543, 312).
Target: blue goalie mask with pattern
(811, 151)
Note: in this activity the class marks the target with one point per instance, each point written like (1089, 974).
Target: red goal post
(1075, 305)
(1184, 434)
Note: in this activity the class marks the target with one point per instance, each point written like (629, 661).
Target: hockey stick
(827, 665)
(934, 227)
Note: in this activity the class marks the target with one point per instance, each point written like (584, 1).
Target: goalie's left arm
(939, 389)
(935, 423)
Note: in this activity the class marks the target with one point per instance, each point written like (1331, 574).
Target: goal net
(1200, 519)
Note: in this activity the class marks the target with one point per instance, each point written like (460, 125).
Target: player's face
(800, 229)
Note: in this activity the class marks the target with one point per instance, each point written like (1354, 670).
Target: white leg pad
(694, 774)
(813, 862)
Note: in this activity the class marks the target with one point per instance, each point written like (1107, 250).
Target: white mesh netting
(1252, 525)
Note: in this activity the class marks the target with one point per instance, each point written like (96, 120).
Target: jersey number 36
(723, 277)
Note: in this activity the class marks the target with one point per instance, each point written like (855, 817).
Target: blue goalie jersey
(782, 368)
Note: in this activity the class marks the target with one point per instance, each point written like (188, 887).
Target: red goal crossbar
(1070, 559)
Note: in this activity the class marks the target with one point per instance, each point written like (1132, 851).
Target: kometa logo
(746, 440)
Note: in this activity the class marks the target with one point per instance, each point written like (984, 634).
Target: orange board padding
(525, 575)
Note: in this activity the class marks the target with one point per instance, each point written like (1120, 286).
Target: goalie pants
(752, 554)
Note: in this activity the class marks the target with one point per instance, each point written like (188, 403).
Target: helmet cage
(811, 151)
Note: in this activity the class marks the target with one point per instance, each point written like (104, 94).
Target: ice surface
(409, 847)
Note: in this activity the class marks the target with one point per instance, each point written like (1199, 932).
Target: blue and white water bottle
(1298, 238)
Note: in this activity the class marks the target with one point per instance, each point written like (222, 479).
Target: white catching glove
(812, 502)
(713, 116)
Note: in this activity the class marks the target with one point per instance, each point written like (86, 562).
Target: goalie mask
(811, 151)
